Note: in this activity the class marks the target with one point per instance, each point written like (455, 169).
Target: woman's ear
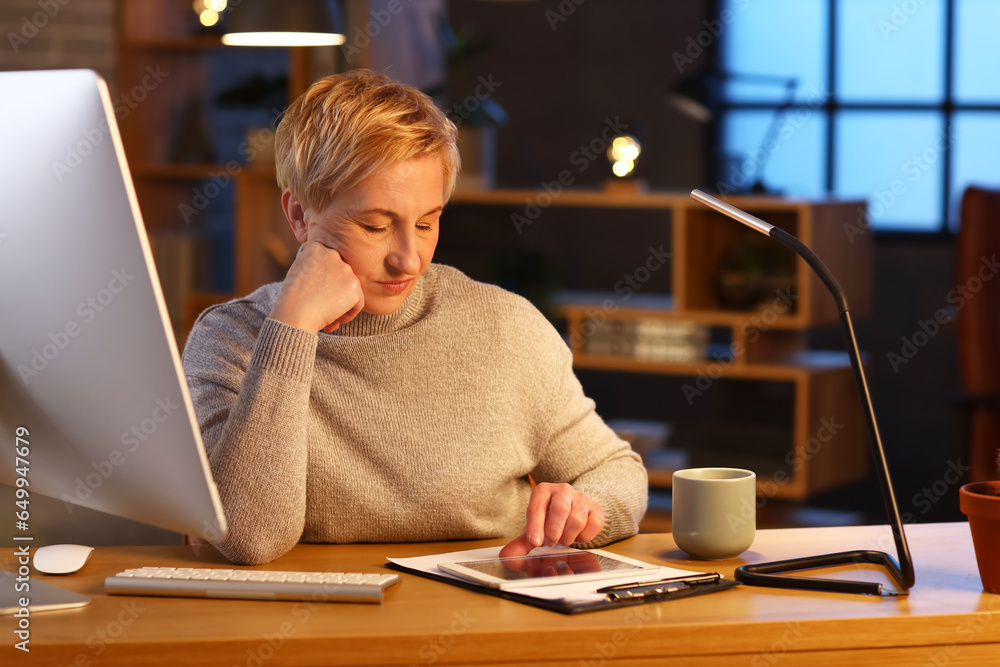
(296, 215)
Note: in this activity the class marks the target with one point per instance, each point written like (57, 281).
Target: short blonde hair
(348, 126)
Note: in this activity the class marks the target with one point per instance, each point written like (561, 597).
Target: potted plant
(980, 501)
(752, 274)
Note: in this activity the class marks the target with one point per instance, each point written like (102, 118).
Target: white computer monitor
(89, 367)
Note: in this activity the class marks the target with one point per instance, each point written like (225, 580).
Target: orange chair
(978, 328)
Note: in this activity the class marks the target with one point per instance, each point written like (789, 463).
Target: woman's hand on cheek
(320, 291)
(557, 514)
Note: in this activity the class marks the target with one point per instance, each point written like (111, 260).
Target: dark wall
(920, 422)
(561, 79)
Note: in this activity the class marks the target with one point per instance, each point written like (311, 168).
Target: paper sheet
(581, 591)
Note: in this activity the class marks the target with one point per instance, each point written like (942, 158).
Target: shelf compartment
(802, 433)
(707, 237)
(820, 224)
(711, 243)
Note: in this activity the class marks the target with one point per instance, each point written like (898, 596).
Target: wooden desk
(947, 619)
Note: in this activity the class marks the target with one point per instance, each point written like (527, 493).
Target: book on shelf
(649, 339)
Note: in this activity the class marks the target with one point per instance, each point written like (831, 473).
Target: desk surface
(947, 618)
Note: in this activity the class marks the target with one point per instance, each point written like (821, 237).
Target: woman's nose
(403, 255)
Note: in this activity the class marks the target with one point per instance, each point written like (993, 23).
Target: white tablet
(546, 569)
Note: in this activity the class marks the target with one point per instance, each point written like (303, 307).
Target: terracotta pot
(980, 501)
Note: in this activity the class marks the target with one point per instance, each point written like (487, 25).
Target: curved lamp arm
(767, 574)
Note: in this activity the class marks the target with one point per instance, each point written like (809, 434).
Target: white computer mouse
(61, 558)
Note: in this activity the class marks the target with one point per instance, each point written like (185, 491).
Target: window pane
(890, 50)
(975, 154)
(783, 38)
(977, 58)
(894, 160)
(793, 163)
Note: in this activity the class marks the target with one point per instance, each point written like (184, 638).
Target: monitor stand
(41, 596)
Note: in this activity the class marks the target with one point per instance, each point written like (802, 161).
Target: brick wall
(59, 34)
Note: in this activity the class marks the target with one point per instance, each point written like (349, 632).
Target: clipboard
(707, 583)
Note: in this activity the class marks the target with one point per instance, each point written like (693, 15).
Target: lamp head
(732, 212)
(695, 96)
(288, 23)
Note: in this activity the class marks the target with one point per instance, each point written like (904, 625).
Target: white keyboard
(250, 584)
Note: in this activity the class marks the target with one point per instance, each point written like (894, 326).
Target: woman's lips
(396, 285)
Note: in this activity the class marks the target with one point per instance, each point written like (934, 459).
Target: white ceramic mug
(714, 511)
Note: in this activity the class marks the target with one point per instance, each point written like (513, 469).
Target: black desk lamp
(775, 573)
(699, 96)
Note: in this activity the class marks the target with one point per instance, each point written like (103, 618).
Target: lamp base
(775, 574)
(625, 186)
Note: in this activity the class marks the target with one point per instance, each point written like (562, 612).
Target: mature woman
(375, 397)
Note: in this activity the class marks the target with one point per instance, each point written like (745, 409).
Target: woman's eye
(375, 229)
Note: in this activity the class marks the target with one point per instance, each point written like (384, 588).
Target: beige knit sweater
(423, 424)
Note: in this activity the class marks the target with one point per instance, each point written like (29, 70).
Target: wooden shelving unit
(165, 74)
(821, 382)
(162, 36)
(770, 346)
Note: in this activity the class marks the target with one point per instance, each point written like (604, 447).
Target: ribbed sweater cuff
(618, 521)
(286, 350)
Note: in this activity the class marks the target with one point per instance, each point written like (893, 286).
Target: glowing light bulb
(208, 17)
(622, 168)
(622, 153)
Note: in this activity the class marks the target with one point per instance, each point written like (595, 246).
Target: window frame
(832, 106)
